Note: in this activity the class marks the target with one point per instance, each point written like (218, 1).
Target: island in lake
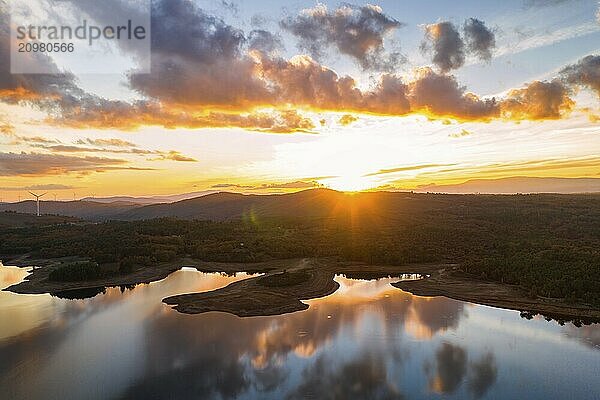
(538, 254)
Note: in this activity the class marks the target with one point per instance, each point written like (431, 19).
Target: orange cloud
(175, 156)
(130, 117)
(347, 119)
(537, 101)
(36, 164)
(226, 81)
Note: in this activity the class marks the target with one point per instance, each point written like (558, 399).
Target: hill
(150, 199)
(305, 204)
(359, 208)
(89, 210)
(10, 219)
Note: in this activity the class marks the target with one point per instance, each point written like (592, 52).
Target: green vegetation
(548, 244)
(74, 272)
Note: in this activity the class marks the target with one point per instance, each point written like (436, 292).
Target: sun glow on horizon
(351, 183)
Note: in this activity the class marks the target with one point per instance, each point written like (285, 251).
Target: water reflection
(367, 340)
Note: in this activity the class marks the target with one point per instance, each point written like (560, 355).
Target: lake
(368, 340)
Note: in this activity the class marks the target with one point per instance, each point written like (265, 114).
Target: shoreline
(253, 297)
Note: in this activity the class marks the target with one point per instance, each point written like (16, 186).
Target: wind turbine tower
(37, 199)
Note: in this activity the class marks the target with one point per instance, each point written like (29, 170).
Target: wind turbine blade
(33, 194)
(43, 194)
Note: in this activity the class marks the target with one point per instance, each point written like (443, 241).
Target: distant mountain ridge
(89, 210)
(518, 184)
(222, 206)
(226, 206)
(150, 199)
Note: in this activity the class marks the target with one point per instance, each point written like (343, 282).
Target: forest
(550, 248)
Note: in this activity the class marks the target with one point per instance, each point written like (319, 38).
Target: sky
(276, 96)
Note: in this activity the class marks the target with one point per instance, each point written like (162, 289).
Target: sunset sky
(270, 96)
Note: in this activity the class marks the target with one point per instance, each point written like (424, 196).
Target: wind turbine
(37, 199)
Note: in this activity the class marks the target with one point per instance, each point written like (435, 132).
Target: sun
(351, 183)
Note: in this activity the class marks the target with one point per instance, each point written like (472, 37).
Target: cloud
(482, 375)
(543, 3)
(585, 73)
(447, 47)
(264, 41)
(480, 40)
(175, 156)
(356, 31)
(208, 74)
(162, 155)
(34, 164)
(135, 115)
(289, 185)
(198, 59)
(106, 142)
(460, 134)
(9, 131)
(231, 6)
(65, 148)
(441, 95)
(347, 119)
(538, 101)
(50, 186)
(451, 367)
(519, 184)
(266, 186)
(407, 168)
(231, 186)
(363, 377)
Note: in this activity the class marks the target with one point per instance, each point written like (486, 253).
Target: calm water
(368, 340)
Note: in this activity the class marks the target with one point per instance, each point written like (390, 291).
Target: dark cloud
(365, 377)
(208, 74)
(443, 41)
(451, 367)
(441, 95)
(356, 31)
(264, 41)
(448, 49)
(480, 40)
(15, 164)
(199, 60)
(585, 73)
(482, 375)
